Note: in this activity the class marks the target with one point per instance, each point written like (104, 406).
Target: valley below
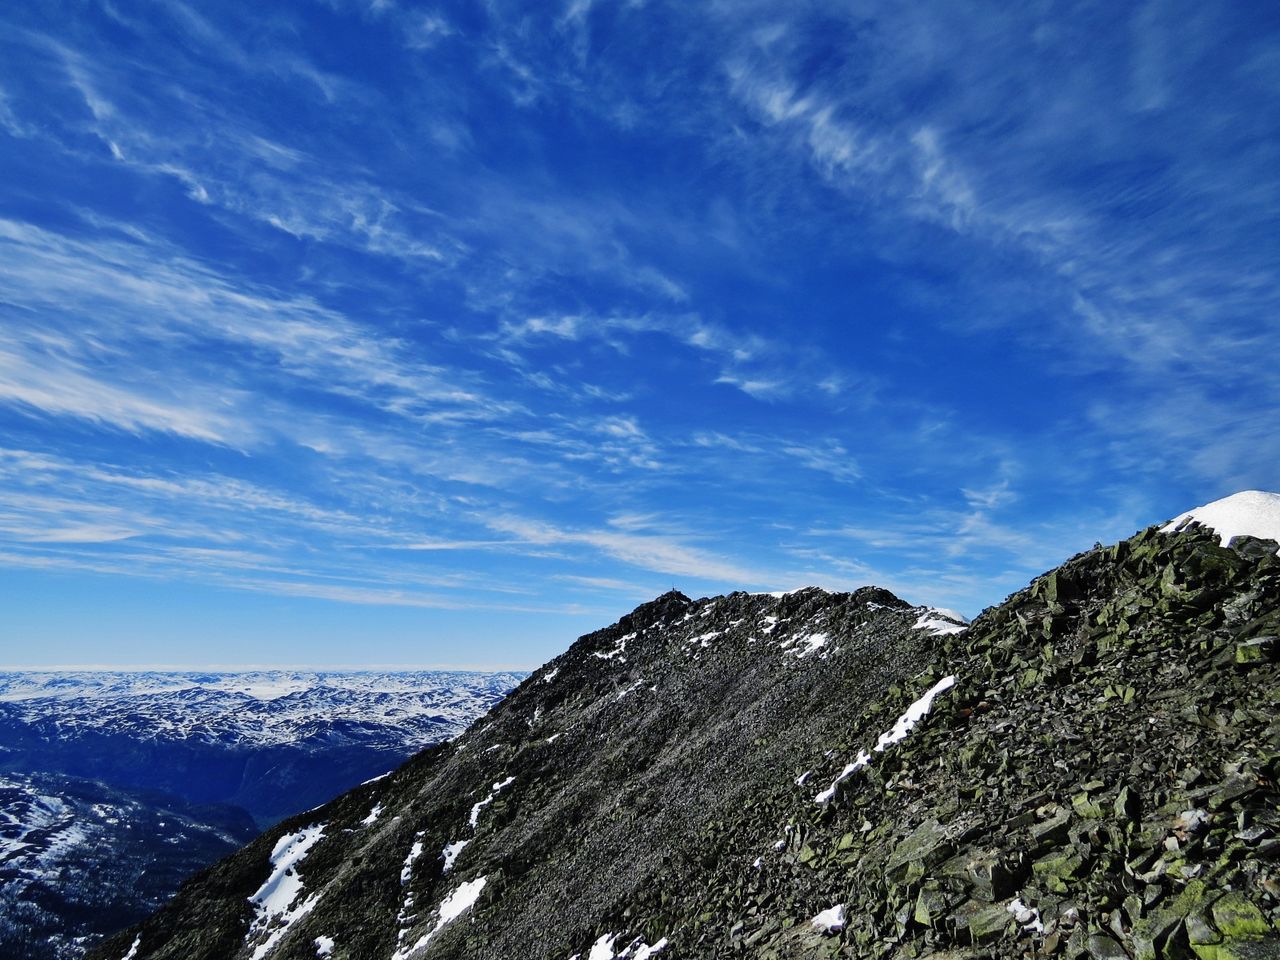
(115, 787)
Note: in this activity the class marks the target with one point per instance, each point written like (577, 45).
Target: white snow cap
(1252, 513)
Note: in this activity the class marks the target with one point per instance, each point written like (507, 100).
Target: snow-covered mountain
(79, 859)
(272, 742)
(407, 709)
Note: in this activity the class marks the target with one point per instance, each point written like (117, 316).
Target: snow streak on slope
(450, 853)
(940, 621)
(602, 949)
(496, 789)
(275, 900)
(913, 715)
(454, 905)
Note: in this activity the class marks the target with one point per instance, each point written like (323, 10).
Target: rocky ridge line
(1094, 775)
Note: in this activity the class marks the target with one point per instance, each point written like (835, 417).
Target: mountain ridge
(816, 775)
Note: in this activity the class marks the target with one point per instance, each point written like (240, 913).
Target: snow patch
(133, 950)
(451, 851)
(631, 689)
(616, 652)
(373, 816)
(644, 951)
(550, 675)
(779, 594)
(940, 621)
(493, 792)
(324, 946)
(849, 770)
(830, 920)
(414, 853)
(1251, 513)
(282, 887)
(602, 949)
(276, 900)
(803, 646)
(915, 713)
(1028, 917)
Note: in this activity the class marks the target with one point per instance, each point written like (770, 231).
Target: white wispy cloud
(926, 172)
(13, 125)
(761, 367)
(250, 175)
(423, 30)
(42, 381)
(651, 552)
(777, 455)
(119, 296)
(1100, 198)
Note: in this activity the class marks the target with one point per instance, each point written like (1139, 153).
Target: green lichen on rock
(1236, 917)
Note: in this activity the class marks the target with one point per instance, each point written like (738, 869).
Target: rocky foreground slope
(1089, 769)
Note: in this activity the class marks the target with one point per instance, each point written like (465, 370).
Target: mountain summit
(1086, 770)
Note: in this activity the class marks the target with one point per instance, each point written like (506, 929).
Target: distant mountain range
(117, 786)
(1087, 771)
(271, 742)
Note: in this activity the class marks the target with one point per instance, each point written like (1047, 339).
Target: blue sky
(397, 333)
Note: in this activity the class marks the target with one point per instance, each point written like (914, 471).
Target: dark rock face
(1088, 770)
